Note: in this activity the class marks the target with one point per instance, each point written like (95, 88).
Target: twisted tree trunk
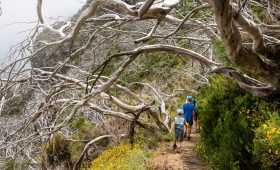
(227, 18)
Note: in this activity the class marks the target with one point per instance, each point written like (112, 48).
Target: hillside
(112, 78)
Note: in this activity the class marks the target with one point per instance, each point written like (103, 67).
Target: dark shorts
(190, 122)
(179, 134)
(195, 116)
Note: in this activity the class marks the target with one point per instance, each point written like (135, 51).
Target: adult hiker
(188, 109)
(178, 123)
(195, 118)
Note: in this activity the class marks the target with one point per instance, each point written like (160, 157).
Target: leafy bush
(122, 157)
(56, 150)
(267, 143)
(148, 139)
(229, 116)
(83, 131)
(167, 137)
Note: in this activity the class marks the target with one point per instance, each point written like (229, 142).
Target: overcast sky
(14, 12)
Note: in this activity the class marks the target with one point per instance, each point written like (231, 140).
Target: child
(179, 122)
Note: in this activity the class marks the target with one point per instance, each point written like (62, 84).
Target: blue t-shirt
(179, 122)
(188, 111)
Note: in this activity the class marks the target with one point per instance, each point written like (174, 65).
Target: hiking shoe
(185, 135)
(174, 146)
(189, 138)
(178, 150)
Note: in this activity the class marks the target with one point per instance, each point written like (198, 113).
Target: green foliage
(267, 143)
(228, 115)
(204, 14)
(258, 11)
(167, 137)
(184, 7)
(12, 164)
(148, 139)
(111, 66)
(56, 150)
(154, 65)
(220, 52)
(83, 131)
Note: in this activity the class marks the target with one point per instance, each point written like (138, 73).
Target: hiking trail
(165, 158)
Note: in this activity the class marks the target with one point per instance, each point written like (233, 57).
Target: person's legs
(175, 145)
(197, 126)
(185, 131)
(196, 121)
(189, 130)
(180, 139)
(177, 136)
(180, 143)
(179, 148)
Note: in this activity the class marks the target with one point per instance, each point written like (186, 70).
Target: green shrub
(228, 116)
(148, 139)
(84, 131)
(267, 143)
(167, 137)
(56, 150)
(220, 52)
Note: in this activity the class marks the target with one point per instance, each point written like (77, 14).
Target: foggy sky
(16, 11)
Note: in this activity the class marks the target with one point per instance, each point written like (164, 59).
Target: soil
(166, 158)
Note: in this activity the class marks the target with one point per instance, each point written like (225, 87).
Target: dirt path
(165, 158)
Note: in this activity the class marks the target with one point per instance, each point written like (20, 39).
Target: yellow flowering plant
(267, 143)
(122, 157)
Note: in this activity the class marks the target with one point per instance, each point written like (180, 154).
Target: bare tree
(114, 30)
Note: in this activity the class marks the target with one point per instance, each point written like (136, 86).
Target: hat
(180, 111)
(190, 98)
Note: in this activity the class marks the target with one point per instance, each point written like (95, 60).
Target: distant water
(19, 16)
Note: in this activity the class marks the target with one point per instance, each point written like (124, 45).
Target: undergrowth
(230, 116)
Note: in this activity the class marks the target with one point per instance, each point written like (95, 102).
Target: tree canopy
(89, 63)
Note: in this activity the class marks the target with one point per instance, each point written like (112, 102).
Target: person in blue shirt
(179, 123)
(189, 111)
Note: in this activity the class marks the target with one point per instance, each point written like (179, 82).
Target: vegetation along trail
(165, 158)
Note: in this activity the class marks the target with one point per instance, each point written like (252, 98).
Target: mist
(19, 16)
